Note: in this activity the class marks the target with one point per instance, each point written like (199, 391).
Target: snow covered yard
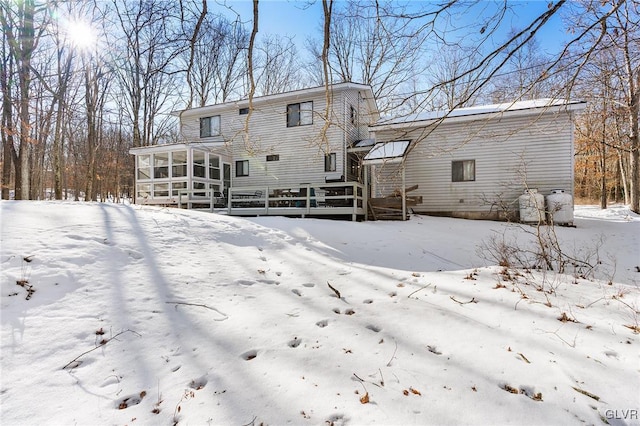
(116, 314)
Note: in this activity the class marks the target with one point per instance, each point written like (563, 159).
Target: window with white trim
(209, 126)
(300, 114)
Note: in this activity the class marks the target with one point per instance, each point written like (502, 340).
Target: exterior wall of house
(510, 154)
(279, 155)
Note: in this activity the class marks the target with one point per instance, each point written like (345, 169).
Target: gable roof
(295, 95)
(535, 106)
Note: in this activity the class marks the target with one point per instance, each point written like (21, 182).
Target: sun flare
(80, 34)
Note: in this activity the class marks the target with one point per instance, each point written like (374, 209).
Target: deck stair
(390, 207)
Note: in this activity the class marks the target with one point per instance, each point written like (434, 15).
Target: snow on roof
(480, 109)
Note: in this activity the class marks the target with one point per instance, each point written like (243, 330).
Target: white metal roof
(292, 95)
(470, 112)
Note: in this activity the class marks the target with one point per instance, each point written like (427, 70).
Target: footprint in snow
(296, 292)
(249, 355)
(367, 301)
(373, 328)
(323, 323)
(199, 383)
(309, 285)
(433, 350)
(244, 282)
(130, 401)
(294, 343)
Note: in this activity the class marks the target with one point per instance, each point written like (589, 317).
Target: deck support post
(404, 195)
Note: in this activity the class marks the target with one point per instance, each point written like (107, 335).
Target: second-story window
(300, 114)
(209, 126)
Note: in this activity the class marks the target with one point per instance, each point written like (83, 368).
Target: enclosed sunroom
(174, 173)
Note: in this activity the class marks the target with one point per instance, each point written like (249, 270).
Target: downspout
(404, 194)
(344, 138)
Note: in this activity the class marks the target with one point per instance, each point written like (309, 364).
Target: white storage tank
(531, 206)
(560, 207)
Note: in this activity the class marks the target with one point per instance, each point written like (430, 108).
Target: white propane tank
(560, 207)
(531, 206)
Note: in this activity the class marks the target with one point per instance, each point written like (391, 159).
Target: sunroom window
(179, 164)
(199, 167)
(176, 187)
(144, 190)
(161, 190)
(161, 165)
(144, 167)
(214, 167)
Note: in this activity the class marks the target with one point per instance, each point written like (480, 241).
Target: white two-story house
(277, 141)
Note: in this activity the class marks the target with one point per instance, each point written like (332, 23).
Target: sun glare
(81, 35)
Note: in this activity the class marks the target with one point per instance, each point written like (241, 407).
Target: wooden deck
(341, 199)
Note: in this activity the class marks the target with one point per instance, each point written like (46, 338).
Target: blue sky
(303, 19)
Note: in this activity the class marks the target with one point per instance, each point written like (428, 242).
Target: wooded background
(83, 81)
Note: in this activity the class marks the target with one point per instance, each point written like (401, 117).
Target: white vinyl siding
(510, 154)
(301, 149)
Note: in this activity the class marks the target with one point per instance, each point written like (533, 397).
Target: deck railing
(340, 198)
(200, 198)
(335, 199)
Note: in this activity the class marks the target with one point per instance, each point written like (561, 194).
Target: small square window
(242, 168)
(273, 157)
(243, 111)
(463, 171)
(330, 162)
(209, 126)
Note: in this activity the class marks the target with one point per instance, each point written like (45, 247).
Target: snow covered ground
(115, 314)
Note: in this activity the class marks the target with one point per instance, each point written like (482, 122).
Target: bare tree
(277, 65)
(19, 26)
(218, 60)
(147, 62)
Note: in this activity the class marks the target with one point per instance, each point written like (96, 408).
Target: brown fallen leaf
(415, 391)
(365, 398)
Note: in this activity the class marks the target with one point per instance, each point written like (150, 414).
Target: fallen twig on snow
(202, 306)
(101, 344)
(334, 290)
(473, 300)
(421, 288)
(584, 392)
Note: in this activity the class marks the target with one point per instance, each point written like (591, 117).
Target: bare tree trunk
(8, 151)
